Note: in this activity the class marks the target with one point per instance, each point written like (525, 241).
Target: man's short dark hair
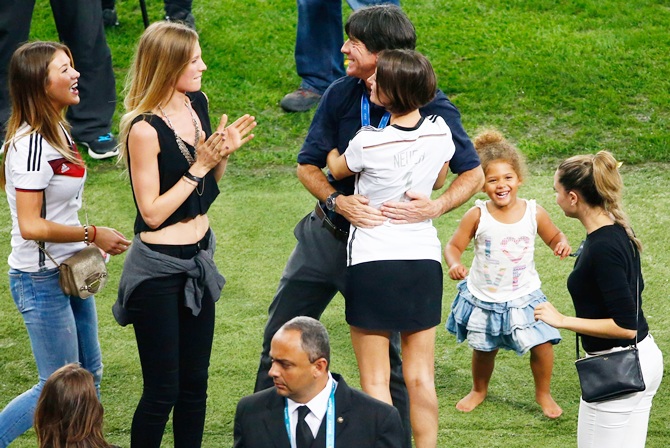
(406, 79)
(313, 338)
(381, 27)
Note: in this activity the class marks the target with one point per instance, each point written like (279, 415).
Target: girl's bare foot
(549, 406)
(471, 401)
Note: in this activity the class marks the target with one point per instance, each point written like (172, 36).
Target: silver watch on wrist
(330, 201)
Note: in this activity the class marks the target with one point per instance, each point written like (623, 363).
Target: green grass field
(558, 78)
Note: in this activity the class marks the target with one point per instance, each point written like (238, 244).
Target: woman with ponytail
(605, 286)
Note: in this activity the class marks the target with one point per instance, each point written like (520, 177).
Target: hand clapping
(225, 140)
(238, 133)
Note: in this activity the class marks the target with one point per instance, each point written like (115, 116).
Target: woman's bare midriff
(189, 231)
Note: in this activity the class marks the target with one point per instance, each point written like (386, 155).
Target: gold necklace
(180, 142)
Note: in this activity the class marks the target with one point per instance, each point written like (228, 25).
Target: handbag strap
(637, 299)
(41, 247)
(41, 244)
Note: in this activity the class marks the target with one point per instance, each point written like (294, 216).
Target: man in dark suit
(308, 406)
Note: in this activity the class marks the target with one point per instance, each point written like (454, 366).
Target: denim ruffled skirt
(488, 326)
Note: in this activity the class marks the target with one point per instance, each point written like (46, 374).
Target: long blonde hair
(597, 179)
(69, 413)
(162, 54)
(28, 79)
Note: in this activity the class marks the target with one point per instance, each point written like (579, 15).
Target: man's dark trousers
(314, 273)
(79, 25)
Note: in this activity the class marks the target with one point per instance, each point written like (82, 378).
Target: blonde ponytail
(609, 185)
(597, 179)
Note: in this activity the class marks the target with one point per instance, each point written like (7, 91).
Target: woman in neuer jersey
(394, 276)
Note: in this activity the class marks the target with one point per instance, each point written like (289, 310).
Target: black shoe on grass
(110, 18)
(102, 147)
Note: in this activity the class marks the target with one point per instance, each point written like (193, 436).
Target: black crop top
(172, 165)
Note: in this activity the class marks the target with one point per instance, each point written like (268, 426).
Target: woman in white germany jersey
(394, 274)
(43, 177)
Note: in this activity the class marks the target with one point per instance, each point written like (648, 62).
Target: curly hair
(492, 146)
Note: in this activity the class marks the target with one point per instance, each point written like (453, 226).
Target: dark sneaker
(109, 18)
(103, 147)
(301, 100)
(184, 17)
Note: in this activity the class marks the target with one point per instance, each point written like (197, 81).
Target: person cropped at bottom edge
(394, 276)
(309, 406)
(69, 413)
(606, 287)
(43, 177)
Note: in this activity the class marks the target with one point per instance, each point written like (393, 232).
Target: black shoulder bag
(608, 376)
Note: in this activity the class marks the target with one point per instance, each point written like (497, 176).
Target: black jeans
(178, 8)
(171, 6)
(174, 348)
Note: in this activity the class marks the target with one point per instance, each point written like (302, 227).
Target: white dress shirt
(317, 406)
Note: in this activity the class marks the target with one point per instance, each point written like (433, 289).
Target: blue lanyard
(330, 419)
(365, 114)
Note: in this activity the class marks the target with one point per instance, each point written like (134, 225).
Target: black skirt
(394, 295)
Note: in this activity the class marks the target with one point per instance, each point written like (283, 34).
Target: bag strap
(73, 145)
(636, 254)
(42, 244)
(41, 247)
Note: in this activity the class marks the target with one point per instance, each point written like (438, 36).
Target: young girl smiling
(495, 301)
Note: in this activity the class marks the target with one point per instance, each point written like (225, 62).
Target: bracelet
(190, 176)
(86, 234)
(189, 181)
(95, 232)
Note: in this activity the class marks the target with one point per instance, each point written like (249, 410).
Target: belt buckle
(329, 225)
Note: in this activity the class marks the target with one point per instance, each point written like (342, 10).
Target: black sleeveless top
(172, 165)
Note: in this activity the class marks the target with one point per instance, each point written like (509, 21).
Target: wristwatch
(330, 201)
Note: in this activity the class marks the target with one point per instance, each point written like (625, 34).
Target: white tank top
(504, 267)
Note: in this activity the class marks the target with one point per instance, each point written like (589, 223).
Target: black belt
(339, 234)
